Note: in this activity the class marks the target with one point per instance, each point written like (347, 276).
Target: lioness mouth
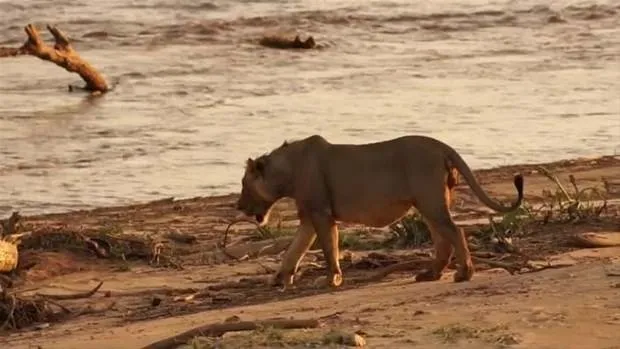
(259, 218)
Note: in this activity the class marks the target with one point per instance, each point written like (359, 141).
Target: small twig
(65, 309)
(596, 240)
(97, 245)
(225, 240)
(545, 267)
(218, 329)
(404, 266)
(510, 267)
(72, 296)
(331, 316)
(243, 283)
(267, 268)
(149, 292)
(90, 311)
(555, 179)
(9, 317)
(572, 181)
(485, 254)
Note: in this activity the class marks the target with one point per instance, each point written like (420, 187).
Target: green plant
(358, 240)
(582, 204)
(410, 231)
(267, 233)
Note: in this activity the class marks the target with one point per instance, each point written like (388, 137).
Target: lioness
(373, 184)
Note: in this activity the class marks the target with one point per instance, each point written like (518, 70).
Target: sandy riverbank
(571, 307)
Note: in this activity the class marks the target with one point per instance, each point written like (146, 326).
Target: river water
(501, 81)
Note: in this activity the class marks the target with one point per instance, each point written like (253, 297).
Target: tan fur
(373, 184)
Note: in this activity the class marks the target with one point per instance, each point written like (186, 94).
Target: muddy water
(502, 81)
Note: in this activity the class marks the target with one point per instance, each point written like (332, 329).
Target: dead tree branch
(218, 329)
(281, 42)
(596, 240)
(61, 54)
(72, 296)
(403, 266)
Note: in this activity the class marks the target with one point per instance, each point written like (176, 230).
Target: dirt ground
(574, 303)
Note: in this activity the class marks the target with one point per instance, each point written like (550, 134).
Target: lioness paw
(282, 280)
(464, 273)
(332, 281)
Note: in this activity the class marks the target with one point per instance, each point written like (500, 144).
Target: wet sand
(548, 309)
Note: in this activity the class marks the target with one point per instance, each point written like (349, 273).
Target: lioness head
(266, 179)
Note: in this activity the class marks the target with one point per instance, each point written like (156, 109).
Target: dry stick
(225, 240)
(409, 265)
(383, 272)
(61, 54)
(545, 267)
(90, 311)
(72, 296)
(510, 267)
(65, 309)
(593, 240)
(555, 179)
(218, 329)
(11, 313)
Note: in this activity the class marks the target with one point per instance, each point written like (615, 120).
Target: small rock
(556, 18)
(41, 326)
(233, 318)
(155, 301)
(497, 271)
(348, 339)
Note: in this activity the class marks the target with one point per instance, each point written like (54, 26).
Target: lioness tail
(457, 161)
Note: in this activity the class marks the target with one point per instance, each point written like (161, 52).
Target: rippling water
(501, 81)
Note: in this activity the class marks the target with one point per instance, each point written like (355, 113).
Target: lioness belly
(372, 215)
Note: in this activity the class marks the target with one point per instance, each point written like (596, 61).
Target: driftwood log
(61, 54)
(596, 239)
(283, 43)
(216, 330)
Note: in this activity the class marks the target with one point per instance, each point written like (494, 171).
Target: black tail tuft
(519, 184)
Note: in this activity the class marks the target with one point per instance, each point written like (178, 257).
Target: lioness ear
(259, 166)
(249, 163)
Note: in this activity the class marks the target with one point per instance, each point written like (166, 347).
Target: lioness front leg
(294, 254)
(327, 232)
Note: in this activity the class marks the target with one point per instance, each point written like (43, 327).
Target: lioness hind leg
(327, 233)
(443, 253)
(294, 254)
(439, 220)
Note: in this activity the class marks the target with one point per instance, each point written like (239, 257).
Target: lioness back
(376, 183)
